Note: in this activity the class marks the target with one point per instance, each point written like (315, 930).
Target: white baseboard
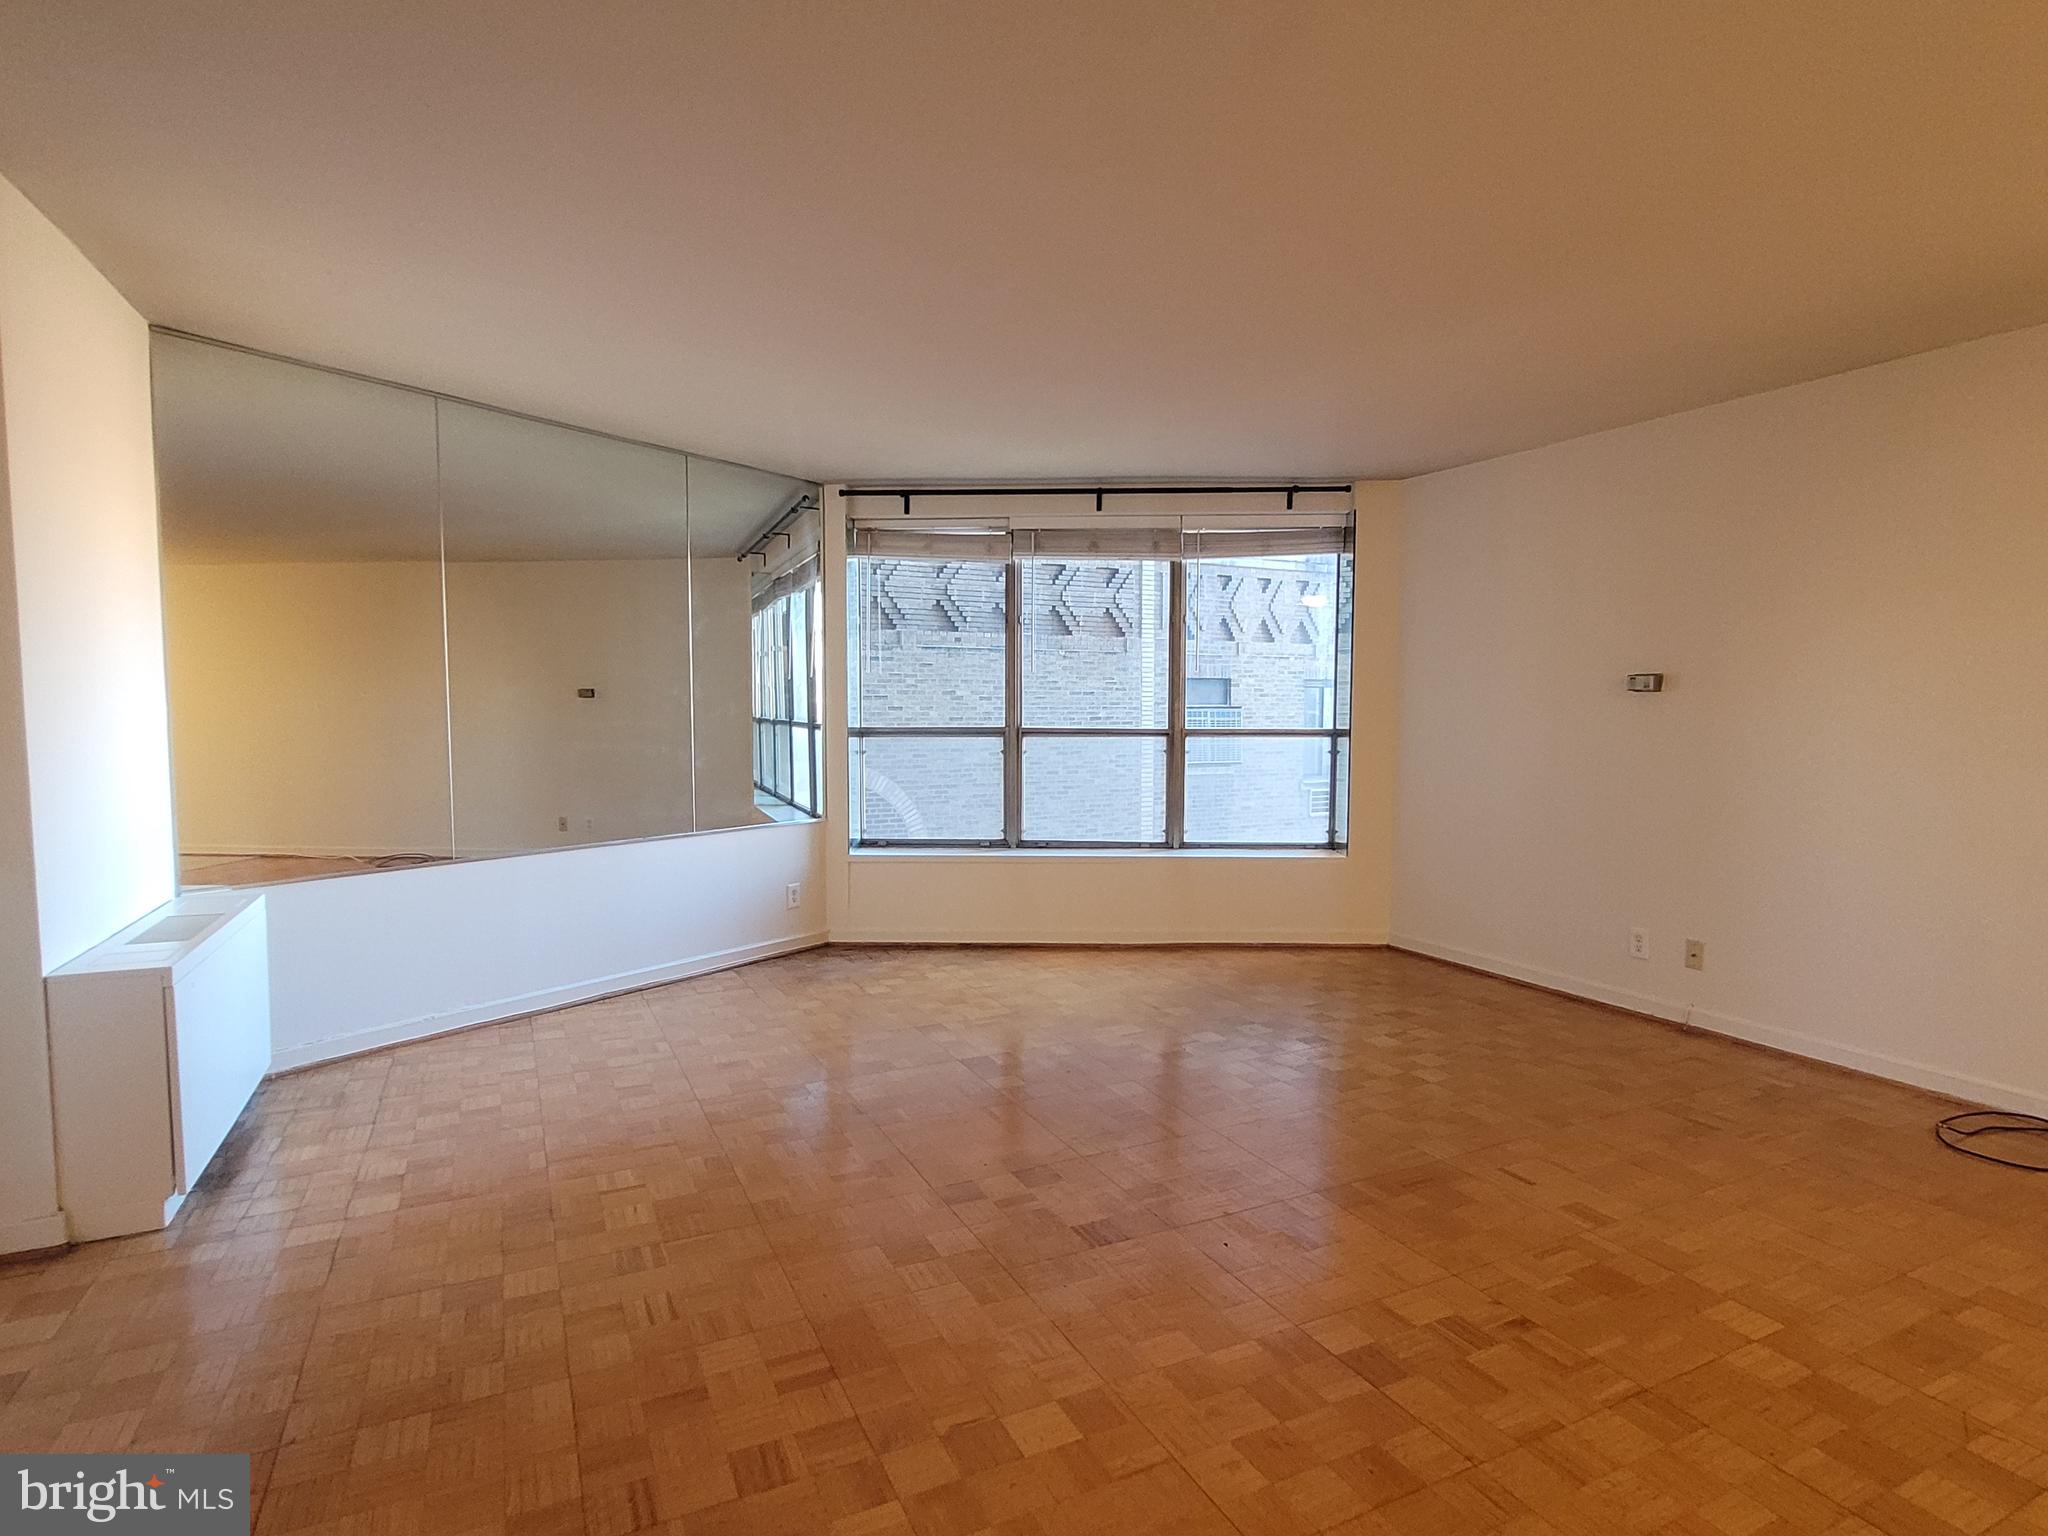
(1536, 976)
(1219, 938)
(1897, 1069)
(51, 1231)
(125, 1218)
(336, 1047)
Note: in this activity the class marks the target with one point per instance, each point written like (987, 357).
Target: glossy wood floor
(275, 868)
(1030, 1241)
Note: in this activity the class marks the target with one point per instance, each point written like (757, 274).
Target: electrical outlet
(1695, 955)
(561, 823)
(1639, 943)
(793, 897)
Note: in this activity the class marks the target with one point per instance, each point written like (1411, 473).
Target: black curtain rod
(779, 528)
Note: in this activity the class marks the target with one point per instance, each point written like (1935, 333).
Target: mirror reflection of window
(755, 545)
(788, 735)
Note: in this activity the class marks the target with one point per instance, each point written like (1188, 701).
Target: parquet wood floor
(1073, 1241)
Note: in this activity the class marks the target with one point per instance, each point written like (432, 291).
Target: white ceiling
(1057, 237)
(261, 460)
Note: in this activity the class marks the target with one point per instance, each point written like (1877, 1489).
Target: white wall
(29, 1217)
(83, 493)
(1069, 897)
(82, 720)
(1840, 792)
(367, 960)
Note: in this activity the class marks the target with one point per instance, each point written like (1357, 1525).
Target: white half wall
(85, 800)
(1839, 790)
(1072, 897)
(370, 960)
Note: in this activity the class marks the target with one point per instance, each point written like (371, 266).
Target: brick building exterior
(1264, 640)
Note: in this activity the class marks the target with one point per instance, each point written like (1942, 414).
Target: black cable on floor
(1958, 1130)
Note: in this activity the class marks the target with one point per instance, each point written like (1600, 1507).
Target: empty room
(918, 767)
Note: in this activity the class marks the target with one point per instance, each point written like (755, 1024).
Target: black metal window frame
(1177, 734)
(781, 727)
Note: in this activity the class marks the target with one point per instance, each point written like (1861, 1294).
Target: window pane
(800, 791)
(929, 788)
(817, 761)
(856, 579)
(800, 654)
(1272, 789)
(1344, 596)
(928, 642)
(1095, 642)
(1262, 629)
(781, 612)
(1344, 789)
(780, 767)
(1094, 789)
(760, 662)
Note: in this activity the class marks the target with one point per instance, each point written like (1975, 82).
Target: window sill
(773, 810)
(999, 855)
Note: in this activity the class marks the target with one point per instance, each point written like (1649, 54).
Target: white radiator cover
(157, 1039)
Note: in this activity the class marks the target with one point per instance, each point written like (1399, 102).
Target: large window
(788, 764)
(1122, 688)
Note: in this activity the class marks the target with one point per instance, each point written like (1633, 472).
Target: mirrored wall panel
(568, 567)
(404, 629)
(755, 602)
(302, 617)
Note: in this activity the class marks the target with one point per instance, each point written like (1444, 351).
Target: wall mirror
(403, 629)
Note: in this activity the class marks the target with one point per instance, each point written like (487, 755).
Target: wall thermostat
(1646, 682)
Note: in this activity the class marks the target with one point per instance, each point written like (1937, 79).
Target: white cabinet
(157, 1039)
